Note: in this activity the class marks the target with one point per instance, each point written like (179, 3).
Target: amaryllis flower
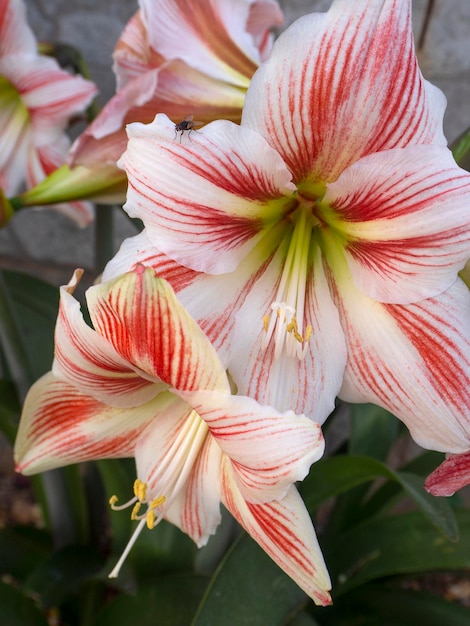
(146, 382)
(318, 244)
(180, 57)
(37, 101)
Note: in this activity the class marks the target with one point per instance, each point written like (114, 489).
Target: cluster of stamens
(140, 497)
(282, 322)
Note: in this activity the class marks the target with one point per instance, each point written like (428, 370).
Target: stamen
(148, 518)
(284, 324)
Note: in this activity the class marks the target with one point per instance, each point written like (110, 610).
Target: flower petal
(404, 214)
(51, 94)
(269, 450)
(206, 201)
(307, 385)
(61, 425)
(212, 300)
(451, 475)
(142, 319)
(16, 37)
(285, 532)
(414, 360)
(334, 89)
(211, 37)
(133, 54)
(175, 89)
(87, 360)
(177, 458)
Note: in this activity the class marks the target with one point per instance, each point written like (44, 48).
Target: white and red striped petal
(285, 532)
(269, 450)
(451, 475)
(16, 37)
(264, 15)
(343, 84)
(212, 300)
(51, 95)
(139, 315)
(212, 37)
(61, 425)
(87, 360)
(205, 199)
(413, 359)
(175, 89)
(133, 55)
(404, 215)
(308, 385)
(178, 459)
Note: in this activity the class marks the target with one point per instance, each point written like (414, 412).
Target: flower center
(285, 323)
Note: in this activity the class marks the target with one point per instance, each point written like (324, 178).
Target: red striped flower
(318, 244)
(146, 382)
(37, 101)
(180, 57)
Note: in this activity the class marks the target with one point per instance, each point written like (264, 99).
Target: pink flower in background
(180, 57)
(145, 382)
(37, 101)
(318, 244)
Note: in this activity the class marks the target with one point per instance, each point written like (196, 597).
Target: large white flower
(318, 244)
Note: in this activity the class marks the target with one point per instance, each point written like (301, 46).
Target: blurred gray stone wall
(49, 245)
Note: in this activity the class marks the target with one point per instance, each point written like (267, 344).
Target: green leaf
(34, 304)
(374, 431)
(389, 546)
(390, 606)
(62, 574)
(16, 609)
(330, 477)
(461, 149)
(10, 409)
(171, 601)
(22, 549)
(250, 588)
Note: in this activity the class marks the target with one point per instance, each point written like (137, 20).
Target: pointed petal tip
(450, 476)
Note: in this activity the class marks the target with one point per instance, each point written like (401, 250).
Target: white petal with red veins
(404, 214)
(211, 37)
(87, 360)
(307, 385)
(206, 198)
(61, 425)
(142, 319)
(269, 450)
(414, 360)
(284, 530)
(334, 89)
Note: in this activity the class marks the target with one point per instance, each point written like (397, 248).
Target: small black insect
(187, 125)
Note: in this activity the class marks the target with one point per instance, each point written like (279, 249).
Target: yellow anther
(308, 332)
(157, 502)
(266, 323)
(135, 511)
(140, 489)
(150, 519)
(113, 500)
